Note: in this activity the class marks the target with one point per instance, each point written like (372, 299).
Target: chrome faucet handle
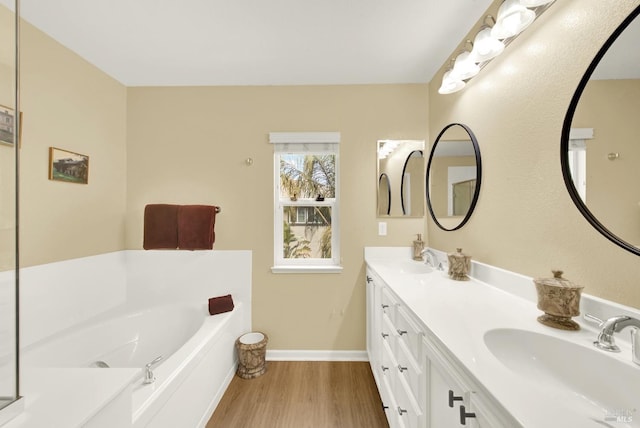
(148, 373)
(616, 324)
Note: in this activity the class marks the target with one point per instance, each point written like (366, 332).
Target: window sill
(306, 269)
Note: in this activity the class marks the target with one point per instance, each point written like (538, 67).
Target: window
(306, 171)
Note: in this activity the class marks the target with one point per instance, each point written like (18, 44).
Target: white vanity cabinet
(394, 345)
(420, 382)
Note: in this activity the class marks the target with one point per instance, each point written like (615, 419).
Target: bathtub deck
(300, 394)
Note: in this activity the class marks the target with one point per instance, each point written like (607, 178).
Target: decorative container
(252, 349)
(459, 265)
(559, 299)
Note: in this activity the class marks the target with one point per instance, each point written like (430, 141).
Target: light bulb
(485, 46)
(464, 67)
(512, 19)
(450, 84)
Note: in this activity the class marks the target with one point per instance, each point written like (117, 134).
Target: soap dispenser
(418, 247)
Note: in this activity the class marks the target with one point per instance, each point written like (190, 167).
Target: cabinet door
(449, 404)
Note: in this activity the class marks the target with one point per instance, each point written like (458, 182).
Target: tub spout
(148, 373)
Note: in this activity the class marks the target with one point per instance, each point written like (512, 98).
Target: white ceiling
(259, 42)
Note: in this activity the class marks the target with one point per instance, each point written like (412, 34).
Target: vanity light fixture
(535, 3)
(450, 84)
(485, 46)
(387, 148)
(464, 67)
(513, 17)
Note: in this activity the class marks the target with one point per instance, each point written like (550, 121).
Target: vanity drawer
(407, 410)
(409, 333)
(388, 401)
(388, 366)
(389, 333)
(388, 304)
(412, 372)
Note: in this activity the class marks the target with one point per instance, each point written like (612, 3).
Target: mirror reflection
(384, 195)
(601, 152)
(453, 177)
(400, 178)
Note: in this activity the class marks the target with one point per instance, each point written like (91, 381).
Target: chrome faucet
(148, 374)
(430, 257)
(616, 324)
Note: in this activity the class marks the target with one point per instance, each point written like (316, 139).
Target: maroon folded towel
(218, 305)
(160, 227)
(196, 227)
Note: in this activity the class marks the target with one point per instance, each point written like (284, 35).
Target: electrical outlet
(382, 228)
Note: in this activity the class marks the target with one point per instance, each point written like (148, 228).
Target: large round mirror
(600, 149)
(453, 176)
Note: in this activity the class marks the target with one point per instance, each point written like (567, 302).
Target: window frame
(305, 143)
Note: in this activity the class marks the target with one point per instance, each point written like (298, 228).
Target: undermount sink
(412, 267)
(588, 380)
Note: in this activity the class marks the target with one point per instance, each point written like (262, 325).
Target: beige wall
(189, 145)
(525, 220)
(69, 104)
(612, 109)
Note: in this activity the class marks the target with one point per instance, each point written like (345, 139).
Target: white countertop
(68, 397)
(459, 313)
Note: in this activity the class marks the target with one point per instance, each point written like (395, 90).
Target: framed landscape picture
(68, 166)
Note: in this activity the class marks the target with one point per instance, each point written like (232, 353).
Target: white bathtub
(197, 365)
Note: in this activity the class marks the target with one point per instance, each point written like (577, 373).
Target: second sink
(579, 375)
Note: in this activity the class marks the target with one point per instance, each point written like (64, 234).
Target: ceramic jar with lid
(459, 265)
(559, 299)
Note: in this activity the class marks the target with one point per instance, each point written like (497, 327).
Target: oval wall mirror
(454, 172)
(599, 151)
(401, 162)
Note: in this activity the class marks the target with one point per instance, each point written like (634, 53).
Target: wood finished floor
(302, 394)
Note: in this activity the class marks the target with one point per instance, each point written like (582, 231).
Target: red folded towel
(160, 227)
(218, 305)
(196, 227)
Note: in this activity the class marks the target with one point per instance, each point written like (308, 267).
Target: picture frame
(7, 125)
(68, 166)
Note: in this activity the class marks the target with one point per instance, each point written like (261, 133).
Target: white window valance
(300, 142)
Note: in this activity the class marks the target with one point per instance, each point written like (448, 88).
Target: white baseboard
(299, 355)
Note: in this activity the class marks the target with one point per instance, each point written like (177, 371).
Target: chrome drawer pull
(369, 279)
(453, 398)
(402, 369)
(384, 306)
(464, 415)
(401, 411)
(384, 368)
(384, 335)
(401, 332)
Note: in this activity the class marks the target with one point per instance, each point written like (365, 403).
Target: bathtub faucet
(148, 374)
